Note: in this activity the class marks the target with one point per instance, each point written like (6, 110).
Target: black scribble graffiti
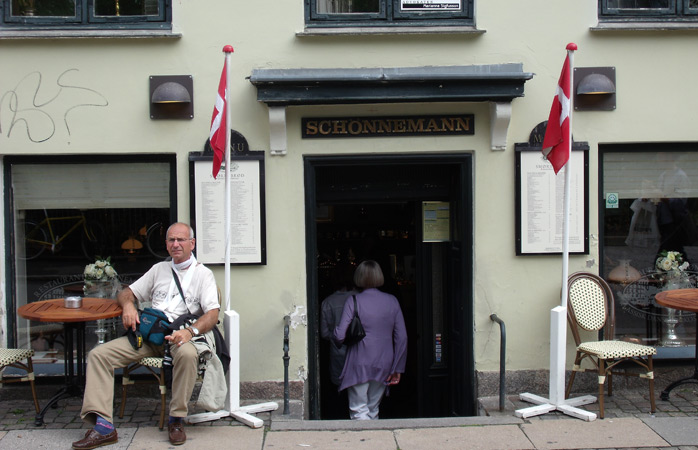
(37, 115)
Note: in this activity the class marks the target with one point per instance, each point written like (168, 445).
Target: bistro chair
(590, 307)
(154, 366)
(14, 357)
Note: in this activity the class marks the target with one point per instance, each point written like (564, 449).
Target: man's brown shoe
(177, 435)
(93, 439)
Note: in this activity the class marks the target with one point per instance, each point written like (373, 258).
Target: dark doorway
(372, 208)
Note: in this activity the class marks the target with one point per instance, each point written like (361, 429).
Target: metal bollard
(502, 359)
(287, 322)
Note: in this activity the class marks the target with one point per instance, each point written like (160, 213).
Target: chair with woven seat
(153, 364)
(14, 357)
(591, 307)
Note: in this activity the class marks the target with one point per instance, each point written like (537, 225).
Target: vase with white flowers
(671, 270)
(671, 273)
(102, 281)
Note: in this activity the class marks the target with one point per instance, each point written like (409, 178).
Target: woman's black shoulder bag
(355, 332)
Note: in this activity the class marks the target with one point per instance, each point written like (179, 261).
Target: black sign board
(352, 127)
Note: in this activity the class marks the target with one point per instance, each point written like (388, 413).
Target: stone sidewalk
(628, 424)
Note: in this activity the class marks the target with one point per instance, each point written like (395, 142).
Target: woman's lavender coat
(384, 349)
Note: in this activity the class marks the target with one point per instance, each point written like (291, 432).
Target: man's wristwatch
(195, 330)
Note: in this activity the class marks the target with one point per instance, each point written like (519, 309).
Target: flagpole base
(243, 414)
(544, 406)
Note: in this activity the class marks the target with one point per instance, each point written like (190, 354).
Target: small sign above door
(348, 127)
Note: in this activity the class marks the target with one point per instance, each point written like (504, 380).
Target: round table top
(683, 299)
(54, 310)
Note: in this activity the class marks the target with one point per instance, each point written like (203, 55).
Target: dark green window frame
(84, 16)
(389, 15)
(648, 10)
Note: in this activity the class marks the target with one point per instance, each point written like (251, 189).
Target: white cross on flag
(217, 136)
(556, 143)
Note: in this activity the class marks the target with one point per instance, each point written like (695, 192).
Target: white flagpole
(228, 49)
(232, 318)
(558, 315)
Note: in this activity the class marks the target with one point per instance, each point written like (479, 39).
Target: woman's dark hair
(368, 275)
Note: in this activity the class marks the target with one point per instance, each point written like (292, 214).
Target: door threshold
(279, 423)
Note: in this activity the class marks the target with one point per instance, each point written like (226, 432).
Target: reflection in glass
(638, 4)
(657, 212)
(43, 8)
(126, 7)
(347, 6)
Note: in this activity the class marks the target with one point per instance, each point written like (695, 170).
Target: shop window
(136, 14)
(648, 10)
(68, 212)
(650, 207)
(363, 13)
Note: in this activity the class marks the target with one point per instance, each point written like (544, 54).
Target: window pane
(43, 8)
(638, 4)
(347, 6)
(126, 8)
(657, 211)
(56, 235)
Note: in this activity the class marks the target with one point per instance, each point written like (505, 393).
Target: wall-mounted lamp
(171, 97)
(595, 88)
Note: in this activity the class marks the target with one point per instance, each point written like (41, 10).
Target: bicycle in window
(51, 233)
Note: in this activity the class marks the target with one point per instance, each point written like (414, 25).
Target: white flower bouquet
(100, 270)
(101, 279)
(671, 266)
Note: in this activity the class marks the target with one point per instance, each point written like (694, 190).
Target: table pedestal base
(74, 379)
(692, 379)
(64, 392)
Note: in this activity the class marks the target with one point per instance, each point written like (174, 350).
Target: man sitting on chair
(157, 286)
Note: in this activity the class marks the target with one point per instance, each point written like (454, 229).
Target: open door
(373, 208)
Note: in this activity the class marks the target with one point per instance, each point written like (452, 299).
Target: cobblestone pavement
(143, 408)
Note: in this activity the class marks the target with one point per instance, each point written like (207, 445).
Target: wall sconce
(595, 88)
(171, 97)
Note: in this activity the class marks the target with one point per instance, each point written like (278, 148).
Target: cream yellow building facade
(82, 96)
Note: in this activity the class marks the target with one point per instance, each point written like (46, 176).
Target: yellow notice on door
(436, 220)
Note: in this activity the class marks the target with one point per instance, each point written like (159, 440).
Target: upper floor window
(86, 13)
(648, 10)
(363, 13)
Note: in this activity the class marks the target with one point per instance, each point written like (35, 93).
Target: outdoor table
(685, 300)
(73, 325)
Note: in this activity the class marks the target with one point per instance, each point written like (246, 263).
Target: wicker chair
(14, 357)
(154, 366)
(591, 308)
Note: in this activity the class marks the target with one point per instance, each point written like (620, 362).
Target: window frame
(676, 11)
(389, 15)
(85, 18)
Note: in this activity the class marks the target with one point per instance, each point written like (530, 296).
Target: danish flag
(217, 136)
(556, 143)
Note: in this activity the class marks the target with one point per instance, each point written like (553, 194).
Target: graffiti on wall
(38, 107)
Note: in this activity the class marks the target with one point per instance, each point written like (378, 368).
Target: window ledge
(645, 26)
(80, 34)
(358, 31)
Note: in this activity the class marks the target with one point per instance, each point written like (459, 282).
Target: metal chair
(13, 357)
(590, 307)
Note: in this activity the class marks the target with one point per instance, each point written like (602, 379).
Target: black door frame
(463, 221)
